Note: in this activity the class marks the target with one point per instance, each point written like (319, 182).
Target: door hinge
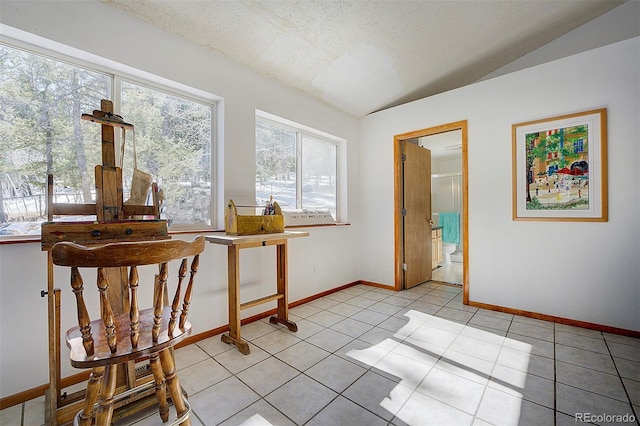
(404, 212)
(404, 157)
(404, 267)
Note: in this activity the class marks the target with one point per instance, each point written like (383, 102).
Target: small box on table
(270, 222)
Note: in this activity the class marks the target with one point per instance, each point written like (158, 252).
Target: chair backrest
(130, 255)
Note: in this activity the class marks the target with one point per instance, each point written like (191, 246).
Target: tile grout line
(338, 394)
(369, 369)
(556, 333)
(626, 391)
(303, 373)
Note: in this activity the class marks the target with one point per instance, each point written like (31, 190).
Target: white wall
(599, 284)
(98, 29)
(620, 23)
(576, 270)
(446, 166)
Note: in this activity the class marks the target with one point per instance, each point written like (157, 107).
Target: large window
(295, 165)
(173, 144)
(41, 132)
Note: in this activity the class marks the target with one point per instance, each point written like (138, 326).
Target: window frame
(118, 73)
(301, 131)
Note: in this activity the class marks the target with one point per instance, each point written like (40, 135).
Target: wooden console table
(234, 245)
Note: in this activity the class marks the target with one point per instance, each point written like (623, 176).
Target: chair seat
(102, 354)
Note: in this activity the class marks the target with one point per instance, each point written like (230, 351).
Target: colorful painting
(559, 167)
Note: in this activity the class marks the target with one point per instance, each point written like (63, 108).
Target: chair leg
(161, 390)
(93, 386)
(169, 368)
(105, 403)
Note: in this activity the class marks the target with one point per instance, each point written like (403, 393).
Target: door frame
(397, 200)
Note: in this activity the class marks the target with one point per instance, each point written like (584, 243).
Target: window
(173, 144)
(296, 165)
(41, 132)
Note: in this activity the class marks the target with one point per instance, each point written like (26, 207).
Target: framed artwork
(560, 168)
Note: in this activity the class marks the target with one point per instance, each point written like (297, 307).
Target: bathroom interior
(446, 201)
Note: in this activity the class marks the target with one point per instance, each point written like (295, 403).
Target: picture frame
(560, 168)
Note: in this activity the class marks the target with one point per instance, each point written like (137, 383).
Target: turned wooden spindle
(160, 386)
(173, 383)
(187, 294)
(83, 315)
(107, 312)
(105, 402)
(158, 301)
(93, 389)
(134, 311)
(182, 272)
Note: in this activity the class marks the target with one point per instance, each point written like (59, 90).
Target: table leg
(234, 301)
(283, 303)
(53, 309)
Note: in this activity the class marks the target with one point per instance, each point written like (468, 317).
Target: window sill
(320, 225)
(27, 239)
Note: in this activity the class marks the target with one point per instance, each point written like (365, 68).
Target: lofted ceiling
(363, 56)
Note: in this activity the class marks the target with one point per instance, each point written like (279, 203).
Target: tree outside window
(41, 132)
(296, 167)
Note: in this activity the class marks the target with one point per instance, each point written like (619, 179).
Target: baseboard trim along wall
(37, 391)
(559, 320)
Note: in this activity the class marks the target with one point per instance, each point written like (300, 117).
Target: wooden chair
(110, 340)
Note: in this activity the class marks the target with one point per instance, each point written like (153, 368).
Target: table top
(229, 240)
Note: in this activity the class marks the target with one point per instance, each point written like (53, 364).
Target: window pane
(173, 145)
(318, 175)
(275, 165)
(41, 133)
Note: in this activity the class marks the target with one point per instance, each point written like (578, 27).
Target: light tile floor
(451, 274)
(369, 356)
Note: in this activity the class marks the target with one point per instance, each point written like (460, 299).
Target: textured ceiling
(364, 56)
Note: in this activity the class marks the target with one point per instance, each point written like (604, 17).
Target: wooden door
(416, 163)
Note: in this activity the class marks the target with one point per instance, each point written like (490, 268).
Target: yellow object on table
(237, 224)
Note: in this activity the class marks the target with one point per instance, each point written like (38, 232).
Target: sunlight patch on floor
(449, 371)
(256, 420)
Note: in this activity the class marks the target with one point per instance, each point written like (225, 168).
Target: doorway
(446, 202)
(399, 240)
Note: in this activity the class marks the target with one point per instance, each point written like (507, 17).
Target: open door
(416, 213)
(399, 142)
